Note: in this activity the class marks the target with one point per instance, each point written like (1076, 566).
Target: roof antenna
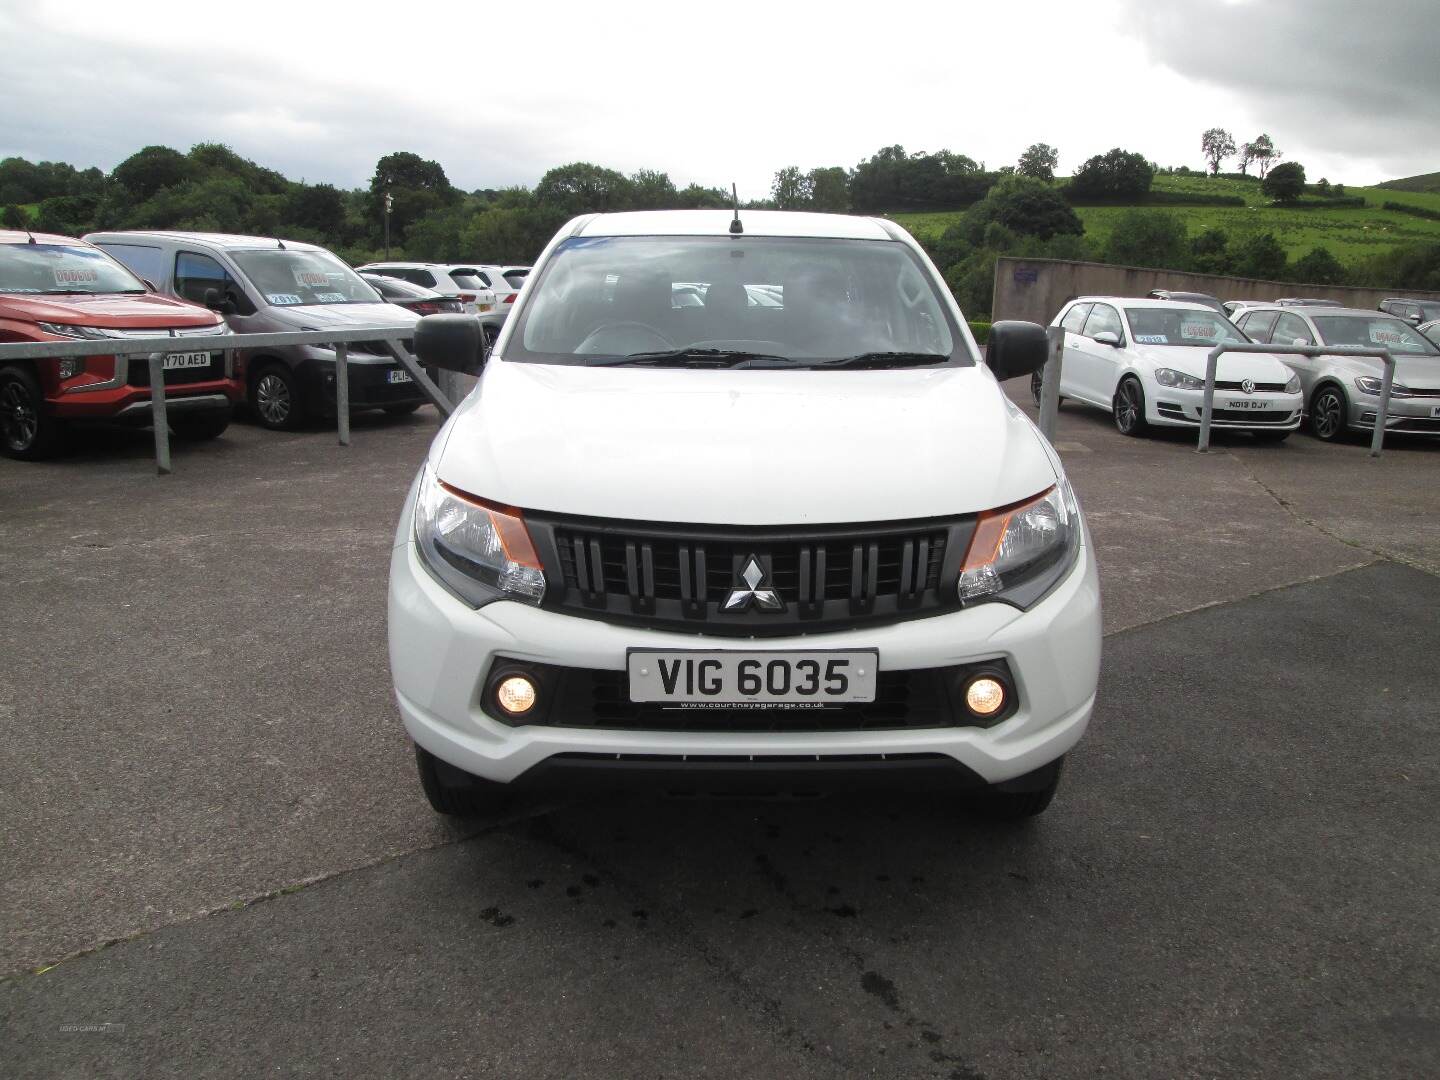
(735, 227)
(28, 233)
(282, 244)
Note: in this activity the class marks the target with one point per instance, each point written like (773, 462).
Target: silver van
(266, 285)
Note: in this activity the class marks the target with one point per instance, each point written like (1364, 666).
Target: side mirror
(451, 343)
(149, 285)
(215, 302)
(1016, 348)
(1108, 337)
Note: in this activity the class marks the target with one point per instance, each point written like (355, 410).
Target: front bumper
(441, 650)
(370, 385)
(1420, 415)
(1168, 406)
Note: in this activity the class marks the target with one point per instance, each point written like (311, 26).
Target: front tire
(201, 428)
(1328, 409)
(454, 792)
(27, 431)
(1128, 408)
(276, 398)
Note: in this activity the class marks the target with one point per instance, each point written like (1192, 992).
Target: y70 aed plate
(725, 677)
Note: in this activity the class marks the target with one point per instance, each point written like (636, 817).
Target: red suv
(53, 288)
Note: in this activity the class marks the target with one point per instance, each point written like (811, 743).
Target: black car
(415, 298)
(1411, 310)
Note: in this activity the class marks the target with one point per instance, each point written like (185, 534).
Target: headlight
(1020, 552)
(89, 333)
(1370, 385)
(1170, 377)
(480, 551)
(1292, 386)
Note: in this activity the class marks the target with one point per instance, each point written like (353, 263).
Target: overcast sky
(498, 92)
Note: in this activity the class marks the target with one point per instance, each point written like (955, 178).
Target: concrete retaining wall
(1036, 289)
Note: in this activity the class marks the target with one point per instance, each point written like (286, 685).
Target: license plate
(398, 375)
(483, 307)
(1245, 403)
(178, 360)
(1435, 411)
(699, 678)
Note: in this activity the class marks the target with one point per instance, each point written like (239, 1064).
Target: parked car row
(482, 289)
(179, 284)
(1144, 361)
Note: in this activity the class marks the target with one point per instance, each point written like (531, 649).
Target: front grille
(682, 576)
(1259, 387)
(587, 699)
(1234, 416)
(1425, 391)
(140, 372)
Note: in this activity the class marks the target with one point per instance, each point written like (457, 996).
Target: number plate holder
(734, 678)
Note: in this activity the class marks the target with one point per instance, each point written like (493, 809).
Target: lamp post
(389, 202)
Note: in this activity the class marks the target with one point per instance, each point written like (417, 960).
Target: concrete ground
(216, 859)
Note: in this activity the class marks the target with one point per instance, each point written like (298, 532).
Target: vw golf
(737, 506)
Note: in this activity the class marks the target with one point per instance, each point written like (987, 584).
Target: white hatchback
(1143, 361)
(733, 545)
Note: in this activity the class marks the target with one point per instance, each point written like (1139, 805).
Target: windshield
(792, 302)
(1176, 326)
(1373, 331)
(62, 268)
(286, 277)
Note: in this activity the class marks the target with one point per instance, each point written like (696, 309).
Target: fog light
(985, 696)
(68, 369)
(516, 695)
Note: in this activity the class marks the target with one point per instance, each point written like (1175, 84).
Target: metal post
(1050, 382)
(342, 391)
(1211, 362)
(157, 413)
(1377, 439)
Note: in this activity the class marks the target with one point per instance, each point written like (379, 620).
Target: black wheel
(200, 427)
(1024, 797)
(1129, 407)
(453, 791)
(1327, 413)
(402, 410)
(1270, 437)
(27, 430)
(275, 396)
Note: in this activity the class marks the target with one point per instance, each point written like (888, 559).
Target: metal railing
(1050, 382)
(1377, 440)
(155, 349)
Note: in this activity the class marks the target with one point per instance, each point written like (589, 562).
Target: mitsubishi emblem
(1247, 385)
(752, 577)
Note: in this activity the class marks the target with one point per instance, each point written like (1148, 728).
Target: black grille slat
(682, 575)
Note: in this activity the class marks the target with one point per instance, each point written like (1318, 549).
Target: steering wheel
(657, 340)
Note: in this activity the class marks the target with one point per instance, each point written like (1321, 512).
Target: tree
(69, 215)
(1261, 256)
(417, 186)
(1038, 162)
(651, 190)
(1322, 186)
(791, 188)
(151, 170)
(829, 188)
(1025, 207)
(1263, 153)
(14, 218)
(1319, 267)
(1148, 238)
(1218, 144)
(583, 188)
(1210, 252)
(316, 206)
(1285, 182)
(1115, 176)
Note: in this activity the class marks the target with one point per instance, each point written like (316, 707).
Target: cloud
(1340, 86)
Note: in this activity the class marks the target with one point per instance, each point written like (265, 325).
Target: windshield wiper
(720, 358)
(886, 360)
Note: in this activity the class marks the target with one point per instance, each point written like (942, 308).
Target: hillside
(1426, 182)
(1350, 234)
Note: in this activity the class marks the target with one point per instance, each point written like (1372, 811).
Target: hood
(747, 447)
(339, 316)
(1421, 372)
(1232, 367)
(113, 310)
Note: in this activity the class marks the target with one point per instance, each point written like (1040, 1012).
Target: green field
(1349, 234)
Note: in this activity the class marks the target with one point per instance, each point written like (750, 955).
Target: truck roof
(717, 223)
(225, 241)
